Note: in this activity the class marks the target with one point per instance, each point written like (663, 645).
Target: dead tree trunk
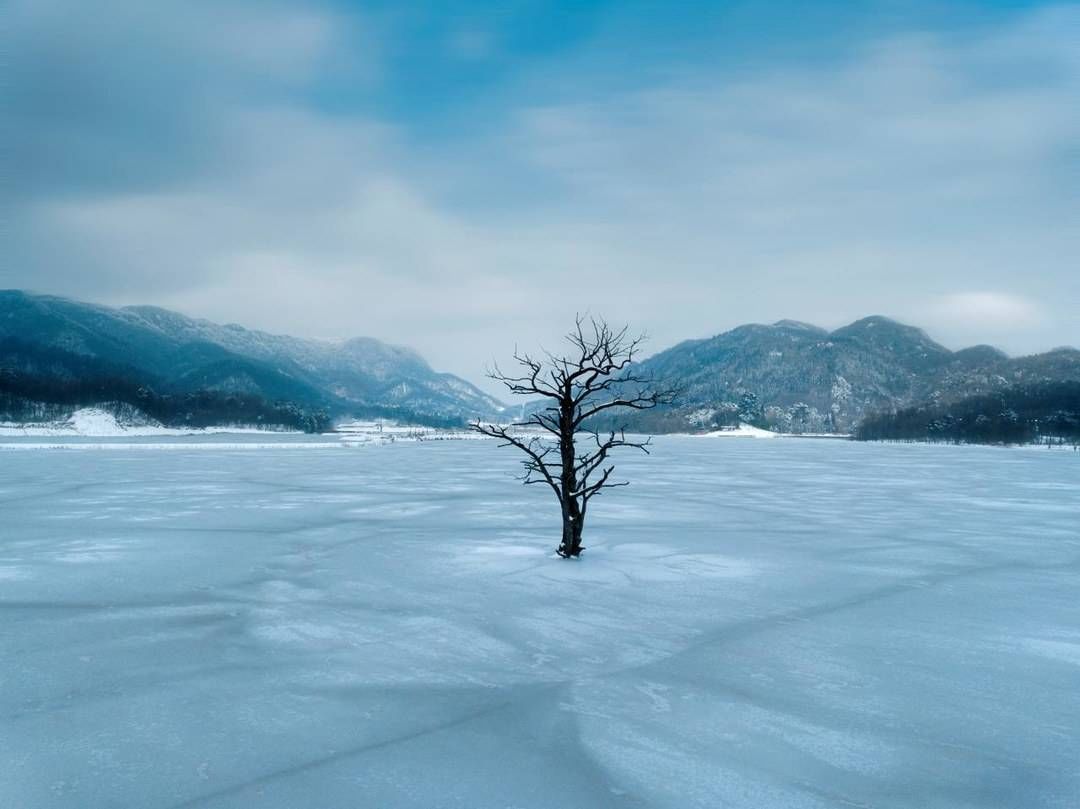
(571, 512)
(597, 377)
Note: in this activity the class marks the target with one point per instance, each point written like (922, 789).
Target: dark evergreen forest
(1046, 412)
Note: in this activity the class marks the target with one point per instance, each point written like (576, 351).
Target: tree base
(569, 553)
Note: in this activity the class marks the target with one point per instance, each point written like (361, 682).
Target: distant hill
(47, 340)
(793, 376)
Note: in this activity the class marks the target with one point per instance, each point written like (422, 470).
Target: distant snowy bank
(94, 422)
(389, 432)
(748, 431)
(90, 423)
(742, 431)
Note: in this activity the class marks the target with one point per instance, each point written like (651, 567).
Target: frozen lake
(786, 623)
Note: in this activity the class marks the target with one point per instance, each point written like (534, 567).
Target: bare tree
(563, 448)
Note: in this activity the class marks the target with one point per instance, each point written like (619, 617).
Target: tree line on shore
(27, 399)
(1046, 412)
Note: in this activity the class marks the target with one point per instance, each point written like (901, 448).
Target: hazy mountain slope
(359, 371)
(187, 353)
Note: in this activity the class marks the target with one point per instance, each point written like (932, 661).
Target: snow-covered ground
(754, 624)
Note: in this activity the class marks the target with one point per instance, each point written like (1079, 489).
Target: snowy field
(786, 623)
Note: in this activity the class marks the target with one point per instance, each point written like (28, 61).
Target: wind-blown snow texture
(754, 624)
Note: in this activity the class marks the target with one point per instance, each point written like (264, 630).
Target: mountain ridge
(790, 375)
(794, 376)
(358, 376)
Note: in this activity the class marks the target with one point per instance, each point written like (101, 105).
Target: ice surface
(787, 623)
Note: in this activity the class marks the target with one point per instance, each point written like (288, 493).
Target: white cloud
(994, 309)
(998, 318)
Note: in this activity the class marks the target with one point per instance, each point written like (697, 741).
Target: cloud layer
(240, 162)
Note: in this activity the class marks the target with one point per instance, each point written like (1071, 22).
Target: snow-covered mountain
(172, 351)
(796, 376)
(788, 376)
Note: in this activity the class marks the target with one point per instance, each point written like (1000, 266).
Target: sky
(464, 177)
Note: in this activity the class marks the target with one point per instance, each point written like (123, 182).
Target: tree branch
(536, 462)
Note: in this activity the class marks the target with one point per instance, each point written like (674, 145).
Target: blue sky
(461, 179)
